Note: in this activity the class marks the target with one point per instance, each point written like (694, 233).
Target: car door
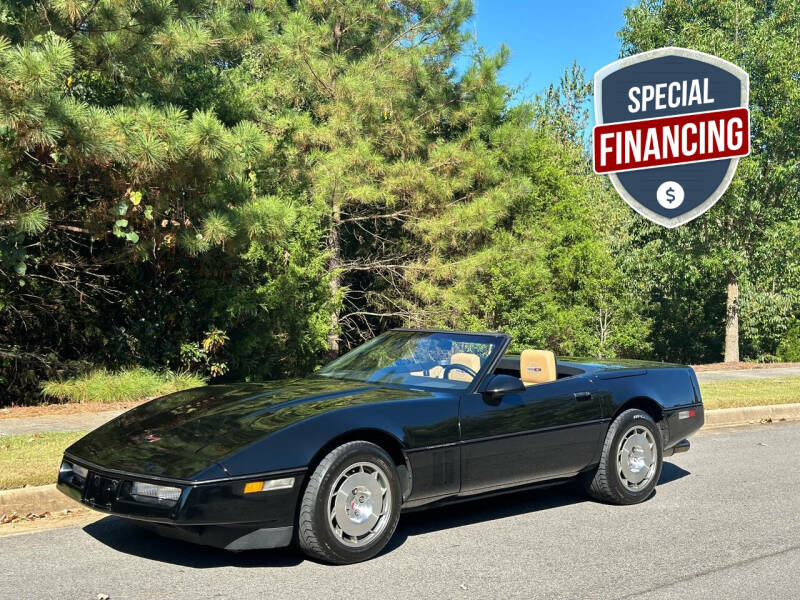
(549, 430)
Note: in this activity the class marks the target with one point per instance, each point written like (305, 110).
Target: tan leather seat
(473, 361)
(537, 366)
(432, 372)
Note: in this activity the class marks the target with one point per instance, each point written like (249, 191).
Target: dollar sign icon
(670, 194)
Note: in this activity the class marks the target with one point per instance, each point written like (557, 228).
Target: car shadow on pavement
(486, 509)
(470, 512)
(124, 536)
(671, 472)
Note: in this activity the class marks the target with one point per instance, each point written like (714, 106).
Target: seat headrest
(473, 361)
(537, 366)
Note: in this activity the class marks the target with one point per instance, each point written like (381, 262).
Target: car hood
(186, 434)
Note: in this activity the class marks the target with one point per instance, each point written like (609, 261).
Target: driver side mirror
(500, 385)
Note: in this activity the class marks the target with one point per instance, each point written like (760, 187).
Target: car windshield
(417, 358)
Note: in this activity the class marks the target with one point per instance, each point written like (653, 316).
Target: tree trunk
(335, 250)
(335, 247)
(732, 320)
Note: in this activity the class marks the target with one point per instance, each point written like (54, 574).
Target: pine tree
(131, 176)
(292, 177)
(530, 246)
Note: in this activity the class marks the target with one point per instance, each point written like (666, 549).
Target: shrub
(789, 348)
(127, 385)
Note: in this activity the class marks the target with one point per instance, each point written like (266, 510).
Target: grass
(32, 459)
(125, 386)
(755, 392)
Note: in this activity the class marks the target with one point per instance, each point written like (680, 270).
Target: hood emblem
(152, 438)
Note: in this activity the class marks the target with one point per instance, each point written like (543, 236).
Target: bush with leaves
(130, 174)
(789, 347)
(725, 285)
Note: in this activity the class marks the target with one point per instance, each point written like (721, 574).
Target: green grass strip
(125, 386)
(32, 459)
(751, 392)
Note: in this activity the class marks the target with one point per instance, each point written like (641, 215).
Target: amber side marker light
(251, 487)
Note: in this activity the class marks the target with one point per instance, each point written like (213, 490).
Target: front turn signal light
(251, 487)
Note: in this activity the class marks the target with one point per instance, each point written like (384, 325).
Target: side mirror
(500, 385)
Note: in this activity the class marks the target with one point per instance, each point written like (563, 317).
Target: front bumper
(230, 537)
(216, 513)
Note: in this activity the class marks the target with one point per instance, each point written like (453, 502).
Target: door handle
(579, 396)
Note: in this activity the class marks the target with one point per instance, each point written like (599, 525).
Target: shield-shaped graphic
(676, 81)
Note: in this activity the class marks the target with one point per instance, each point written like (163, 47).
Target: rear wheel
(351, 504)
(630, 464)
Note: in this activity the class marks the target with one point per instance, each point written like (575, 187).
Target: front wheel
(351, 504)
(630, 464)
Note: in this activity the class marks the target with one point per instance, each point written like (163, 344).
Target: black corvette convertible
(409, 419)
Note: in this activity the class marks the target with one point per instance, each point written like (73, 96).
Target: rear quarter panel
(674, 389)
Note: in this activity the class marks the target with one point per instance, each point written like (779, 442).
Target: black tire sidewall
(334, 549)
(625, 421)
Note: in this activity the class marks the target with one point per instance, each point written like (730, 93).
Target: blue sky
(546, 37)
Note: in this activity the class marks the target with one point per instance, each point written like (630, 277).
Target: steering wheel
(447, 368)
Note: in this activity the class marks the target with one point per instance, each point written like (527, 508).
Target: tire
(342, 499)
(633, 449)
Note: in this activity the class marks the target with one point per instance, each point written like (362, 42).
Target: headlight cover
(72, 473)
(155, 494)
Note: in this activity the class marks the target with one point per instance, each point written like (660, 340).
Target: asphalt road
(724, 523)
(42, 423)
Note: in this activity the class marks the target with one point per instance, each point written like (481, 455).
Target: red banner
(696, 137)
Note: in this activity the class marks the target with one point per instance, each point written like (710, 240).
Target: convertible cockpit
(532, 367)
(467, 359)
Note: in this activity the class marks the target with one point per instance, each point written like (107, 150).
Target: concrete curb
(38, 499)
(727, 417)
(47, 498)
